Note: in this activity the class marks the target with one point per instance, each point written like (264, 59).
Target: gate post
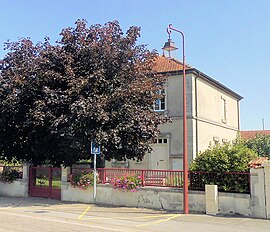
(266, 168)
(257, 193)
(26, 168)
(26, 177)
(65, 172)
(211, 199)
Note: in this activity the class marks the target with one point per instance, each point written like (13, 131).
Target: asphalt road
(39, 214)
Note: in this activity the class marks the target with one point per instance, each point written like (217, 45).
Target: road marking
(159, 221)
(43, 207)
(128, 218)
(97, 227)
(158, 216)
(84, 212)
(169, 217)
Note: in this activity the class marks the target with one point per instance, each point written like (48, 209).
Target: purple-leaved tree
(95, 83)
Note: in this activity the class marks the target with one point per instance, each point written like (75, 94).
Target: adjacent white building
(212, 116)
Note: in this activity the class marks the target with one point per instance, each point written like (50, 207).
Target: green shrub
(216, 161)
(224, 158)
(260, 144)
(9, 175)
(82, 180)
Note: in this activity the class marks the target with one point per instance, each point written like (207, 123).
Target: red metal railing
(162, 178)
(229, 181)
(226, 181)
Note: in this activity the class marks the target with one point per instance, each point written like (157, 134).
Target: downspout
(238, 114)
(196, 112)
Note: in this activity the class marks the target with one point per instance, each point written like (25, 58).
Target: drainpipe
(238, 115)
(196, 112)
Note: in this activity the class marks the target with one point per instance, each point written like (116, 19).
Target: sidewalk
(39, 214)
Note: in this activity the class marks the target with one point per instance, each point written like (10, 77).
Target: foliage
(260, 144)
(10, 162)
(216, 161)
(174, 181)
(228, 182)
(82, 180)
(10, 174)
(127, 182)
(224, 158)
(94, 84)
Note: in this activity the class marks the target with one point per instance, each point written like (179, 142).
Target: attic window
(223, 110)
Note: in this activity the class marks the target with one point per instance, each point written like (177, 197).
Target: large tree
(95, 83)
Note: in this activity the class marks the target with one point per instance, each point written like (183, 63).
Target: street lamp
(169, 46)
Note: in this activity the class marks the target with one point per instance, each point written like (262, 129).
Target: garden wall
(158, 198)
(18, 188)
(256, 204)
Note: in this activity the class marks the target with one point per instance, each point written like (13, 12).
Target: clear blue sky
(228, 40)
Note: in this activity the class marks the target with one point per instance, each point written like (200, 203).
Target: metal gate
(45, 182)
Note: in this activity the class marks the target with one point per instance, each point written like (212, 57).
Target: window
(160, 104)
(161, 140)
(223, 110)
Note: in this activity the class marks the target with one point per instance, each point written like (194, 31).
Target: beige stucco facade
(212, 116)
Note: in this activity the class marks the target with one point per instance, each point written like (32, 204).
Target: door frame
(48, 191)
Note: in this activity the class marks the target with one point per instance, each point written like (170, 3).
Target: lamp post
(169, 46)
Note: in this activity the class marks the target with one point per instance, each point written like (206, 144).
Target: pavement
(41, 214)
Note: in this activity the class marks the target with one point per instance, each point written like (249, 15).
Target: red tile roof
(164, 64)
(252, 134)
(257, 163)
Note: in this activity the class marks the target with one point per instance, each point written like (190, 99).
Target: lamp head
(169, 46)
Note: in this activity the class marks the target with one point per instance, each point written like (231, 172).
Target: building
(246, 135)
(212, 116)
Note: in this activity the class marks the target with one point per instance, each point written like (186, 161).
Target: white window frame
(161, 140)
(158, 103)
(223, 110)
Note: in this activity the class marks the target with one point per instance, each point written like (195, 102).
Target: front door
(45, 182)
(159, 158)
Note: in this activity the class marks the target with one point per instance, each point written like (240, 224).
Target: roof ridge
(175, 60)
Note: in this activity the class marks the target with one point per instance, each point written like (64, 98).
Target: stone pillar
(211, 199)
(266, 167)
(25, 178)
(65, 173)
(26, 167)
(257, 191)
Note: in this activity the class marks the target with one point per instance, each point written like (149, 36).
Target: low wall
(256, 204)
(76, 195)
(18, 188)
(234, 203)
(158, 198)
